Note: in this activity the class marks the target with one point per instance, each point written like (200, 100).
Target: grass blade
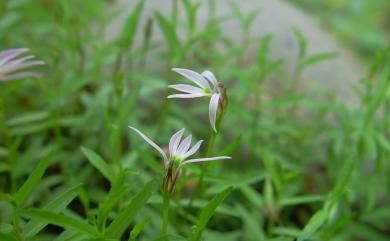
(32, 181)
(98, 162)
(62, 221)
(208, 211)
(125, 217)
(315, 222)
(59, 203)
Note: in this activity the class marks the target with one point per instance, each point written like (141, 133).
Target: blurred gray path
(277, 17)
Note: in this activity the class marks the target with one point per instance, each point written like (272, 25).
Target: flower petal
(174, 141)
(193, 76)
(186, 88)
(150, 142)
(196, 95)
(194, 149)
(9, 54)
(210, 76)
(15, 65)
(213, 110)
(184, 145)
(20, 75)
(205, 159)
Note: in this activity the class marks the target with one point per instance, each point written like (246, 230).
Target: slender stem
(166, 201)
(210, 146)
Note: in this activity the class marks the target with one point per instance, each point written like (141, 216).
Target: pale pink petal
(213, 107)
(150, 142)
(174, 141)
(192, 151)
(10, 67)
(193, 76)
(186, 88)
(188, 95)
(210, 76)
(9, 54)
(184, 145)
(21, 75)
(205, 159)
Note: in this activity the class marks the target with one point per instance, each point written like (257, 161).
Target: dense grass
(304, 167)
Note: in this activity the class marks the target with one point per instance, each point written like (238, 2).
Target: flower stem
(166, 201)
(210, 146)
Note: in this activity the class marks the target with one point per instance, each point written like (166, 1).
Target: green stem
(166, 201)
(211, 144)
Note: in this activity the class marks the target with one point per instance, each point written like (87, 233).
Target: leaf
(7, 237)
(32, 181)
(125, 217)
(6, 197)
(62, 221)
(208, 211)
(170, 237)
(314, 59)
(59, 203)
(99, 164)
(365, 232)
(116, 193)
(138, 228)
(170, 35)
(27, 118)
(253, 224)
(301, 199)
(131, 24)
(315, 222)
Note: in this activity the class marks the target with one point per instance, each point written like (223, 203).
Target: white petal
(206, 159)
(188, 95)
(186, 88)
(175, 140)
(213, 110)
(9, 54)
(20, 75)
(184, 145)
(14, 65)
(150, 142)
(194, 149)
(210, 76)
(193, 76)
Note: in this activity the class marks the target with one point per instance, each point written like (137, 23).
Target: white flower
(179, 152)
(207, 85)
(9, 65)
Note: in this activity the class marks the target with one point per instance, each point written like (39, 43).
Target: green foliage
(306, 165)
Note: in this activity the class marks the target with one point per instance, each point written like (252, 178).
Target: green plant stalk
(166, 200)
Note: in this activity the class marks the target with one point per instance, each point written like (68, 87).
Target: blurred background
(307, 123)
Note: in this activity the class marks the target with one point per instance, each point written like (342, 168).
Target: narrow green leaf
(138, 228)
(56, 205)
(31, 182)
(131, 24)
(116, 193)
(99, 164)
(253, 224)
(207, 212)
(301, 199)
(7, 237)
(314, 59)
(6, 197)
(125, 217)
(170, 35)
(315, 222)
(366, 232)
(62, 221)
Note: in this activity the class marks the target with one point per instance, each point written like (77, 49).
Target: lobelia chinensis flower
(179, 152)
(11, 66)
(207, 85)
